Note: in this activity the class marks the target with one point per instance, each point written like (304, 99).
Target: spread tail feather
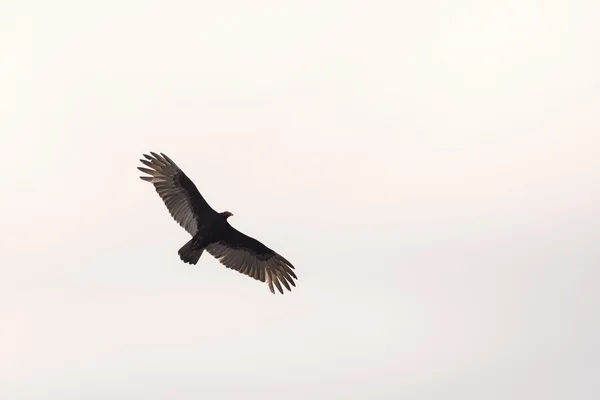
(190, 255)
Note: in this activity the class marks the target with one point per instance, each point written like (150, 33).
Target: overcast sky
(432, 169)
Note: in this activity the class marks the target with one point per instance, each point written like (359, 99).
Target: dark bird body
(211, 231)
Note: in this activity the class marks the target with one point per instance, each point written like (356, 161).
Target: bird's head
(226, 214)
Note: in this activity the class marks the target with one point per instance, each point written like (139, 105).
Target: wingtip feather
(278, 284)
(168, 160)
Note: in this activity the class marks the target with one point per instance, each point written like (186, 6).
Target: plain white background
(430, 168)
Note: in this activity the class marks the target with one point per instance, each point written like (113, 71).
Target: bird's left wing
(183, 200)
(250, 257)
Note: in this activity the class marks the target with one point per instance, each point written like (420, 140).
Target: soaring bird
(210, 230)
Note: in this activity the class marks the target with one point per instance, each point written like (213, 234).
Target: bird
(210, 229)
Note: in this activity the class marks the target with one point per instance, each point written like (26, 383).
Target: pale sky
(432, 169)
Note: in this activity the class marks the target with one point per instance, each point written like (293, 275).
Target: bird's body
(210, 230)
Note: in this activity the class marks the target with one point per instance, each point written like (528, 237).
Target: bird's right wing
(183, 200)
(250, 257)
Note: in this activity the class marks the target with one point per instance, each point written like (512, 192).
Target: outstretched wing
(183, 200)
(250, 257)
